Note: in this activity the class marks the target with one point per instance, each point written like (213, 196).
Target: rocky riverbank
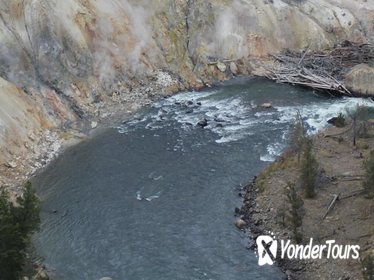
(35, 148)
(350, 221)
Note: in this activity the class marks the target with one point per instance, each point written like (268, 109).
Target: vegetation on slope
(18, 221)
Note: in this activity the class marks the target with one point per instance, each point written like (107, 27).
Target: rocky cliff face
(64, 61)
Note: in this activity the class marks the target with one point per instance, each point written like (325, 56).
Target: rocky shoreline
(341, 167)
(256, 226)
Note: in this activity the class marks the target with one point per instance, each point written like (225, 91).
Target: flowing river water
(154, 197)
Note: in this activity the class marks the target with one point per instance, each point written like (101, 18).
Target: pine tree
(27, 214)
(17, 223)
(368, 182)
(294, 213)
(309, 169)
(297, 135)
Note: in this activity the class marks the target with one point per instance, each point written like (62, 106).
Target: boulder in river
(106, 278)
(203, 123)
(266, 105)
(240, 223)
(332, 120)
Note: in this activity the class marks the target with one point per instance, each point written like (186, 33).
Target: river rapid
(154, 197)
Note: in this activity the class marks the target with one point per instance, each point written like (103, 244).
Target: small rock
(289, 273)
(216, 119)
(221, 67)
(10, 164)
(203, 123)
(106, 278)
(43, 276)
(233, 68)
(240, 224)
(332, 121)
(93, 125)
(32, 136)
(266, 105)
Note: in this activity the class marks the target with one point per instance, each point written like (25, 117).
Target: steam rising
(106, 39)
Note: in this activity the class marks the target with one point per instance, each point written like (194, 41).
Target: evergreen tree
(297, 135)
(294, 213)
(27, 214)
(309, 169)
(17, 224)
(368, 182)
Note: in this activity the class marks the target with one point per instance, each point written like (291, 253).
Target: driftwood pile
(321, 70)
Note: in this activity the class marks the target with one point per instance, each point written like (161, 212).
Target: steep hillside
(66, 63)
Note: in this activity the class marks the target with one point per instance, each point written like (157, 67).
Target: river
(154, 197)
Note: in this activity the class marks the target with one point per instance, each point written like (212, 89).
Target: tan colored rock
(266, 105)
(360, 79)
(233, 68)
(10, 164)
(43, 276)
(221, 66)
(106, 278)
(240, 223)
(93, 125)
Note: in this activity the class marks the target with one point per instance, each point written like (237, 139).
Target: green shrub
(340, 121)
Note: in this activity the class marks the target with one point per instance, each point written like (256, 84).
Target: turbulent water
(153, 198)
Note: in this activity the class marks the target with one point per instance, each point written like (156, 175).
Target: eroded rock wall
(64, 61)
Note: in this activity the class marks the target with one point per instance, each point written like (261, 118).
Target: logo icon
(267, 250)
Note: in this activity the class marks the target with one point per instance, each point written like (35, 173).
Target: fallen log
(333, 201)
(353, 194)
(322, 71)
